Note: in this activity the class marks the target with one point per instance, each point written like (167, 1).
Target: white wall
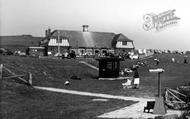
(53, 42)
(119, 44)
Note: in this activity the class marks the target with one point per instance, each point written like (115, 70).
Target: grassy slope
(19, 42)
(49, 72)
(18, 101)
(176, 74)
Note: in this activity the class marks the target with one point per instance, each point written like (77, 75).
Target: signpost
(58, 39)
(159, 107)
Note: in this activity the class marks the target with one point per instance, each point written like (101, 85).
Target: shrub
(185, 115)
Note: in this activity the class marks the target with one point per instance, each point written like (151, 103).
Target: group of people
(135, 81)
(185, 61)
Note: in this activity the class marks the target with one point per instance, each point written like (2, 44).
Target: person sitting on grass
(157, 61)
(127, 84)
(126, 72)
(173, 60)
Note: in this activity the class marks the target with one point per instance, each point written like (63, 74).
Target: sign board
(159, 70)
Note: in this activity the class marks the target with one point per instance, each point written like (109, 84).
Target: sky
(33, 17)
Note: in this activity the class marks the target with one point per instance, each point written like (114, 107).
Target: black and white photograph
(94, 59)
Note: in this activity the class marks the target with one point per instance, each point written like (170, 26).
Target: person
(185, 59)
(126, 72)
(66, 54)
(136, 76)
(122, 73)
(127, 84)
(157, 61)
(67, 83)
(173, 60)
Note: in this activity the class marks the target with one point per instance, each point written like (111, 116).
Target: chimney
(85, 28)
(48, 32)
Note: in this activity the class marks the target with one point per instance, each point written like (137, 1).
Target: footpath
(134, 111)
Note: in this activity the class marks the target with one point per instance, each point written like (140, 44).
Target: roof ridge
(88, 31)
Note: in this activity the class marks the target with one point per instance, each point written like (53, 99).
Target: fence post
(1, 71)
(30, 78)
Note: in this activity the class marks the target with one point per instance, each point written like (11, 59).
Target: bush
(72, 54)
(4, 51)
(185, 115)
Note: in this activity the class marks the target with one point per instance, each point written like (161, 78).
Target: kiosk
(109, 67)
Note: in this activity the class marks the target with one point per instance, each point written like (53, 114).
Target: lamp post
(159, 107)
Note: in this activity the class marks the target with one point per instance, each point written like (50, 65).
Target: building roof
(121, 37)
(88, 39)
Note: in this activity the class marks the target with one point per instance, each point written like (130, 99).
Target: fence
(27, 81)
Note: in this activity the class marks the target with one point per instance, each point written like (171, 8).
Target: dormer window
(124, 43)
(65, 41)
(62, 42)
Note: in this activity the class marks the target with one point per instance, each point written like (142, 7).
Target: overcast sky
(119, 16)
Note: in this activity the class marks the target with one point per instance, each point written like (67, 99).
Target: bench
(149, 106)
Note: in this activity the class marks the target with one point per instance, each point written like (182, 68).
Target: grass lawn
(175, 75)
(21, 102)
(18, 101)
(53, 73)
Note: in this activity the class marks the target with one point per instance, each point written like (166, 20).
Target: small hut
(109, 67)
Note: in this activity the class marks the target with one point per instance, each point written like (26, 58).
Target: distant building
(85, 42)
(35, 51)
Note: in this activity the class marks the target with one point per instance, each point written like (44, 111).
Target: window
(104, 52)
(111, 51)
(81, 51)
(124, 43)
(89, 51)
(65, 42)
(109, 65)
(60, 41)
(96, 51)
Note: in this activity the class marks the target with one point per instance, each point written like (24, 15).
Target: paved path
(92, 66)
(132, 111)
(135, 111)
(100, 95)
